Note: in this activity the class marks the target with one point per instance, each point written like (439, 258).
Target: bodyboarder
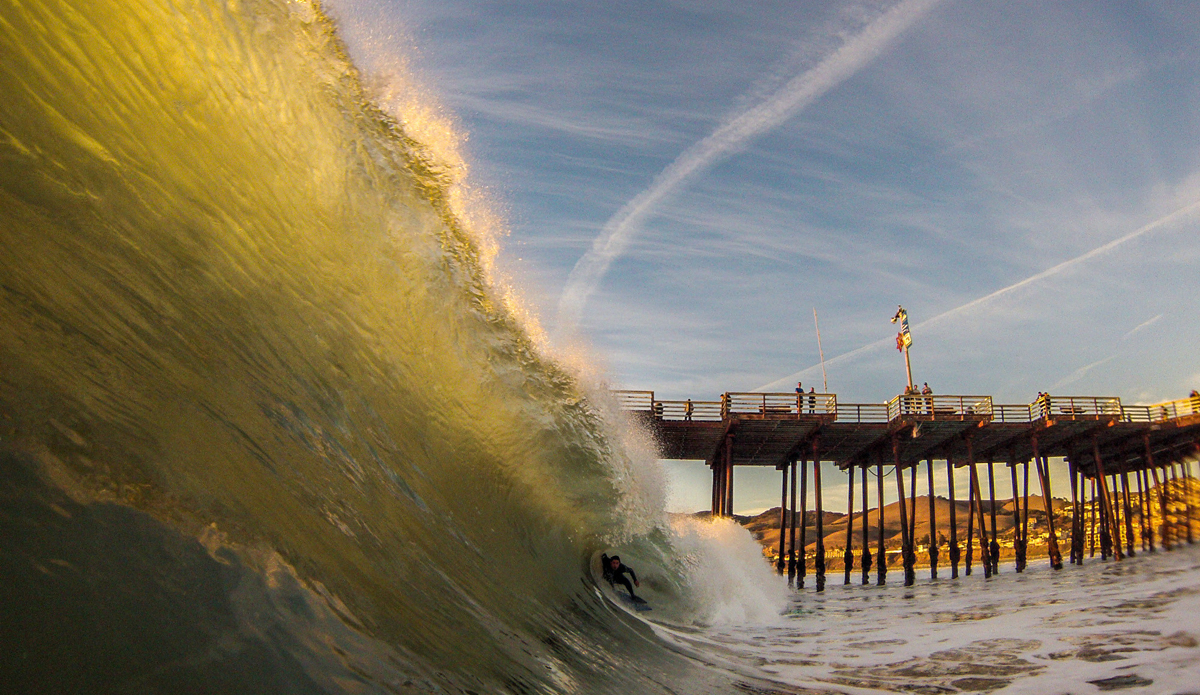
(614, 572)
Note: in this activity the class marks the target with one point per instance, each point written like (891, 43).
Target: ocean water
(1108, 625)
(268, 423)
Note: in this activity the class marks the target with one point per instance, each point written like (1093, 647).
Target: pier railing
(1012, 413)
(940, 407)
(1158, 412)
(1075, 408)
(635, 400)
(862, 412)
(778, 405)
(796, 405)
(700, 411)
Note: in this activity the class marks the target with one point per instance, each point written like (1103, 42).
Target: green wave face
(235, 295)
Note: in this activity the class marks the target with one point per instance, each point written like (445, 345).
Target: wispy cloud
(1083, 371)
(1141, 327)
(1163, 222)
(783, 104)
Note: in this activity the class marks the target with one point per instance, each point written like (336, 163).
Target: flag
(903, 338)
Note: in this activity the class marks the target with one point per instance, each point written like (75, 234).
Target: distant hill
(765, 526)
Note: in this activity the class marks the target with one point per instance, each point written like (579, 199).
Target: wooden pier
(1105, 443)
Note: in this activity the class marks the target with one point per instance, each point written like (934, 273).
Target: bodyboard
(639, 604)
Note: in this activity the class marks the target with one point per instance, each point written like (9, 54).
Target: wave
(251, 341)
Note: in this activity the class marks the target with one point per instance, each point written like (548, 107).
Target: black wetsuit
(617, 576)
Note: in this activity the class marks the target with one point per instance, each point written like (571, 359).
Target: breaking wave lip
(237, 292)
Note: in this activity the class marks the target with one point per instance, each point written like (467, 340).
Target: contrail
(786, 102)
(1053, 270)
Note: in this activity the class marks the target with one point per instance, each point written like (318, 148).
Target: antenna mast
(824, 379)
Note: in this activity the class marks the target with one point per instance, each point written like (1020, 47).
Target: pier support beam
(729, 476)
(1023, 551)
(1181, 518)
(933, 532)
(1128, 509)
(866, 547)
(802, 550)
(984, 557)
(1012, 475)
(780, 563)
(1092, 533)
(970, 557)
(1144, 511)
(953, 518)
(1108, 510)
(906, 546)
(1162, 495)
(792, 530)
(1189, 511)
(1189, 495)
(912, 513)
(1043, 469)
(1075, 556)
(820, 560)
(848, 555)
(881, 553)
(994, 546)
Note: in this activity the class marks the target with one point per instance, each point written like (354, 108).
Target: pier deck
(767, 429)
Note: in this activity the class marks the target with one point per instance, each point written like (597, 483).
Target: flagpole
(824, 379)
(908, 368)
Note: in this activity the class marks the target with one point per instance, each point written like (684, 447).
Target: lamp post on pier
(903, 341)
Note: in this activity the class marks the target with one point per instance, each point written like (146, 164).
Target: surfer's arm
(634, 575)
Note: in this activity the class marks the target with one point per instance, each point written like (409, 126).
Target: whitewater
(269, 423)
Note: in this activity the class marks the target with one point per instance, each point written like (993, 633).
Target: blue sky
(1023, 177)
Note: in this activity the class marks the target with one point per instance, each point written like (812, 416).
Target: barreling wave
(265, 422)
